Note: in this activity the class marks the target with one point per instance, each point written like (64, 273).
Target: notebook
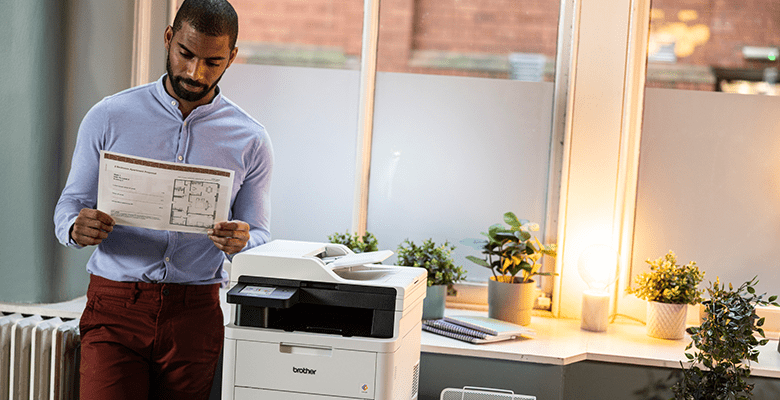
(476, 329)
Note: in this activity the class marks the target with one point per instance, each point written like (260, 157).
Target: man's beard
(183, 93)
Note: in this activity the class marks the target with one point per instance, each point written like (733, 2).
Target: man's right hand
(91, 227)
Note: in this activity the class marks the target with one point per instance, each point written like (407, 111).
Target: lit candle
(595, 310)
(598, 268)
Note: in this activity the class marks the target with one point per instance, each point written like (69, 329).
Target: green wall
(57, 58)
(31, 63)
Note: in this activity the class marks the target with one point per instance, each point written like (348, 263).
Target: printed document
(153, 194)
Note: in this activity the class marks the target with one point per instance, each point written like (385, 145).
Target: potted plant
(355, 242)
(442, 272)
(668, 288)
(512, 254)
(724, 344)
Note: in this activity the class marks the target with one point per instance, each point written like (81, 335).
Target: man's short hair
(210, 17)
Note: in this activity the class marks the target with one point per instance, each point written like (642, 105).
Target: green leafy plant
(668, 282)
(724, 344)
(512, 251)
(437, 260)
(355, 242)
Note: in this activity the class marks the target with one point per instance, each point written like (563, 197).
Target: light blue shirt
(145, 121)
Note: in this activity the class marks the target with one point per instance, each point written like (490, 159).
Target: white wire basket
(479, 393)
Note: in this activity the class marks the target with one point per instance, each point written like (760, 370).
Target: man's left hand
(230, 236)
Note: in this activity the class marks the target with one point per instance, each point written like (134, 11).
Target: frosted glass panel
(311, 116)
(709, 184)
(452, 154)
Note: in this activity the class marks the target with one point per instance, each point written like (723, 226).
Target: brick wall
(707, 33)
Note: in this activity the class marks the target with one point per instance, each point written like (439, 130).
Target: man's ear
(167, 36)
(233, 54)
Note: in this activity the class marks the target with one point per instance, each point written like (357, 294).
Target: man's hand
(91, 227)
(230, 236)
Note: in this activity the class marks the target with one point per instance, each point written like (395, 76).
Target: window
(462, 115)
(708, 182)
(714, 46)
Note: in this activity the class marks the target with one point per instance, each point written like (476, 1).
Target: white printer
(316, 321)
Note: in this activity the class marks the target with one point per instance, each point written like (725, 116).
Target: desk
(565, 362)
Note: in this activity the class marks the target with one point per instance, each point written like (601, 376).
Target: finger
(91, 213)
(88, 236)
(243, 235)
(232, 226)
(89, 232)
(227, 244)
(105, 218)
(84, 223)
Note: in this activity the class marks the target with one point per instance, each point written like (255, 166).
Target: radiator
(39, 357)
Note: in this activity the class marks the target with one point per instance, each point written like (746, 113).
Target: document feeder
(317, 321)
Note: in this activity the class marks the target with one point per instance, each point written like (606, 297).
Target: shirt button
(166, 292)
(167, 259)
(173, 103)
(181, 158)
(185, 123)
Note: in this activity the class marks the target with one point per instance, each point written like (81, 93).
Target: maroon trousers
(149, 341)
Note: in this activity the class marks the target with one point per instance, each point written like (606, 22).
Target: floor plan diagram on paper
(194, 203)
(161, 195)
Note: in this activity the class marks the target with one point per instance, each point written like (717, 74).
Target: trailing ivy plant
(437, 260)
(355, 242)
(723, 347)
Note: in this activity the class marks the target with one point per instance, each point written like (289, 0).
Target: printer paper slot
(355, 259)
(305, 350)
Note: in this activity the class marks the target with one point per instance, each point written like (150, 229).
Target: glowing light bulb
(598, 266)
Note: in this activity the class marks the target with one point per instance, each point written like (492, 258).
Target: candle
(595, 310)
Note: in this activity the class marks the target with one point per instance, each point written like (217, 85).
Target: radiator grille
(415, 381)
(39, 357)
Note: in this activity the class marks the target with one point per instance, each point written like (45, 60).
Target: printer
(316, 321)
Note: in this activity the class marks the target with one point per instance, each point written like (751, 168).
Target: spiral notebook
(475, 329)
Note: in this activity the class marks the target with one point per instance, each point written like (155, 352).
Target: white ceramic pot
(511, 302)
(666, 321)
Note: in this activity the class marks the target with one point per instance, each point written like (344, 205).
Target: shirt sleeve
(253, 204)
(81, 187)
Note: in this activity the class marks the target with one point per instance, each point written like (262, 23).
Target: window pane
(311, 117)
(725, 45)
(453, 153)
(311, 113)
(304, 33)
(708, 184)
(505, 39)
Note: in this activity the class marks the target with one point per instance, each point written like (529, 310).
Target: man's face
(196, 62)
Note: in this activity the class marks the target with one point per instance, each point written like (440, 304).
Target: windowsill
(562, 342)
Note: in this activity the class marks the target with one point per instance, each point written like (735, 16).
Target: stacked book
(476, 329)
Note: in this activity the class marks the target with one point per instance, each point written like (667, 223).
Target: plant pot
(666, 321)
(511, 302)
(433, 305)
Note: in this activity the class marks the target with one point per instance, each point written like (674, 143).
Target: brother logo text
(304, 371)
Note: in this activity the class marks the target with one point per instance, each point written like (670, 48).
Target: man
(152, 326)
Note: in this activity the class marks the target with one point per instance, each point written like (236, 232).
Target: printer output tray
(321, 307)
